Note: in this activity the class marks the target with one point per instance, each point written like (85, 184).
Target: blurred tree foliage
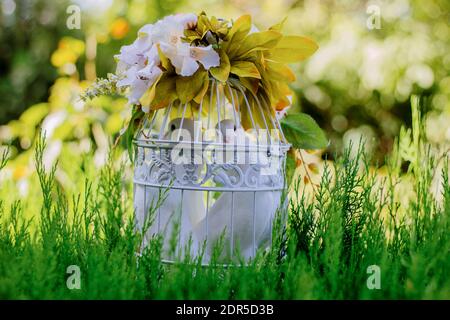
(29, 33)
(360, 80)
(357, 84)
(31, 30)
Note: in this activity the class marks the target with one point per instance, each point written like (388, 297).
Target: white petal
(137, 90)
(121, 67)
(129, 77)
(142, 44)
(207, 56)
(173, 54)
(152, 55)
(145, 72)
(145, 30)
(123, 82)
(177, 62)
(131, 55)
(167, 30)
(187, 19)
(189, 67)
(183, 49)
(167, 49)
(281, 114)
(158, 34)
(149, 73)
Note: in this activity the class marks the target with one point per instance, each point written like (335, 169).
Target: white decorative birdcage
(211, 175)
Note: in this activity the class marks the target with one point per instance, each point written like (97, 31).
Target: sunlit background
(358, 83)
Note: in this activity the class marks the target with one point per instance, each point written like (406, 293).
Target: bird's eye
(173, 127)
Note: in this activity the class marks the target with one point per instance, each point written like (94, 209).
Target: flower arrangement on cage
(234, 74)
(174, 58)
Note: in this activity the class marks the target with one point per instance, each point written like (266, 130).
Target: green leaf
(303, 132)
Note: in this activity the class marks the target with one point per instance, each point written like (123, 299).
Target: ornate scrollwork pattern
(154, 165)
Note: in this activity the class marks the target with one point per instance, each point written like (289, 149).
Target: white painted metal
(212, 182)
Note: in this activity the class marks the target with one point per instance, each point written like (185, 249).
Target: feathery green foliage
(324, 251)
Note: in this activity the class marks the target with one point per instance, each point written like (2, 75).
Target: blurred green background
(357, 84)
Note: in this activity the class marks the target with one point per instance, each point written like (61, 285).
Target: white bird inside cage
(243, 218)
(181, 209)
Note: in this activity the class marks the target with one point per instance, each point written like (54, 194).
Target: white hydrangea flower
(145, 31)
(139, 78)
(188, 20)
(129, 56)
(184, 57)
(138, 64)
(168, 30)
(168, 33)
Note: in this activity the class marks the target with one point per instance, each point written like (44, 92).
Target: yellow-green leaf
(245, 69)
(279, 25)
(293, 49)
(165, 62)
(188, 87)
(149, 95)
(250, 84)
(222, 72)
(246, 120)
(165, 93)
(279, 71)
(199, 97)
(190, 33)
(259, 41)
(240, 28)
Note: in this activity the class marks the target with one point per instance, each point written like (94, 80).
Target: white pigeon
(182, 208)
(251, 226)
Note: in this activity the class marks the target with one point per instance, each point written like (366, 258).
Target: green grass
(355, 220)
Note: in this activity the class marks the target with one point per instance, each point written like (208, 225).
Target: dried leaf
(306, 180)
(314, 168)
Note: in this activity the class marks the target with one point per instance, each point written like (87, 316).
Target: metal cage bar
(229, 193)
